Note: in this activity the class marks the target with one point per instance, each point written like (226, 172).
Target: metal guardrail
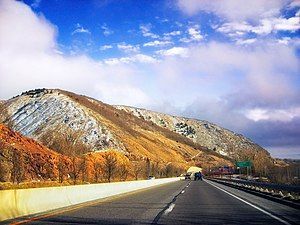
(286, 194)
(276, 187)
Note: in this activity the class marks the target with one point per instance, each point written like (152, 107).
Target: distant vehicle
(151, 178)
(187, 176)
(198, 176)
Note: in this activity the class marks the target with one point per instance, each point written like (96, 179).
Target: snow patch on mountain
(212, 136)
(34, 112)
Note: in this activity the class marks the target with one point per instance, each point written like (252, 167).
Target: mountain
(49, 114)
(204, 133)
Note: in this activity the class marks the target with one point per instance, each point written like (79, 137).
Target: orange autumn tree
(115, 165)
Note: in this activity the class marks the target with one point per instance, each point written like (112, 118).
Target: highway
(181, 202)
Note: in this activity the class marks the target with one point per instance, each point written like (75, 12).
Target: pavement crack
(169, 207)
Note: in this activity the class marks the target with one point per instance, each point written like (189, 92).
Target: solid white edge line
(248, 203)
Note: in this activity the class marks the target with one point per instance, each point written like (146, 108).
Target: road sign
(243, 164)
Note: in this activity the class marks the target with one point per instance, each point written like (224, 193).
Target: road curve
(181, 202)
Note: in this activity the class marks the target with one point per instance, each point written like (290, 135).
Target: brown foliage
(110, 165)
(23, 159)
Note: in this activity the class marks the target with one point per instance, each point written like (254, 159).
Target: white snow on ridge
(33, 114)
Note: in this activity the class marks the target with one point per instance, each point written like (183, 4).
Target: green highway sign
(243, 164)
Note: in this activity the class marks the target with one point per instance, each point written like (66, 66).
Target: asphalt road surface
(181, 202)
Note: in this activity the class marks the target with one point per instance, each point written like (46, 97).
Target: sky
(231, 62)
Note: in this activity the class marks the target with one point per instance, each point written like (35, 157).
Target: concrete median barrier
(22, 202)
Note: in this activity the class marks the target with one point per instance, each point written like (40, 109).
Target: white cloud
(233, 74)
(123, 94)
(195, 33)
(138, 58)
(185, 40)
(289, 41)
(234, 10)
(173, 33)
(127, 48)
(265, 26)
(290, 24)
(105, 47)
(277, 24)
(257, 114)
(24, 35)
(246, 41)
(146, 31)
(145, 58)
(106, 31)
(284, 115)
(33, 62)
(294, 3)
(235, 28)
(80, 29)
(175, 51)
(157, 43)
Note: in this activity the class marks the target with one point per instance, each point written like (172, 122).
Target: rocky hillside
(35, 112)
(45, 115)
(24, 158)
(209, 135)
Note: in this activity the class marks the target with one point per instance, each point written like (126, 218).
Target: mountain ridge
(210, 135)
(38, 112)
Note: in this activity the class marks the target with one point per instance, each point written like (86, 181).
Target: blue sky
(94, 24)
(226, 61)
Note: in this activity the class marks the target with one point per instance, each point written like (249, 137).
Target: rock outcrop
(204, 133)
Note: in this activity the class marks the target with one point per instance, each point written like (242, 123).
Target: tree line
(75, 163)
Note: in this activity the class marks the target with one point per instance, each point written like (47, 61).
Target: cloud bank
(30, 58)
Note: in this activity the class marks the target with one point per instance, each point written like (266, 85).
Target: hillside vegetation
(59, 129)
(26, 163)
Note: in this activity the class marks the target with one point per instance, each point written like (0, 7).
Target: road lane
(139, 207)
(280, 210)
(174, 203)
(202, 203)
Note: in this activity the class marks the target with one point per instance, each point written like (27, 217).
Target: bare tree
(5, 164)
(75, 148)
(157, 169)
(97, 170)
(17, 172)
(123, 171)
(69, 143)
(62, 171)
(137, 169)
(110, 165)
(76, 167)
(170, 170)
(84, 168)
